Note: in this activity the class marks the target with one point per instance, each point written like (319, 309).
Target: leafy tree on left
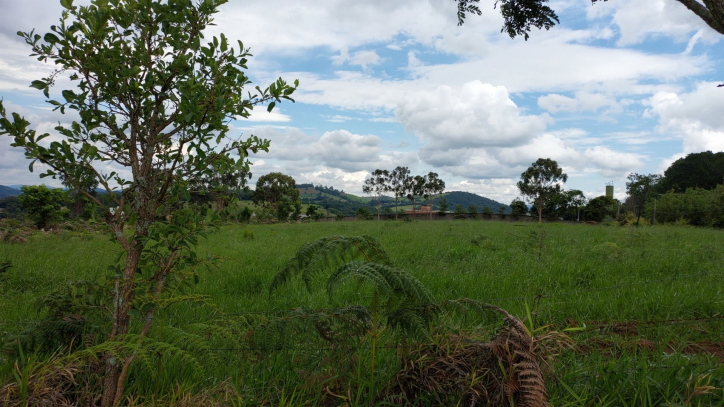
(155, 98)
(42, 204)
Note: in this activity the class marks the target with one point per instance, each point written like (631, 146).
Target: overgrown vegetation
(642, 306)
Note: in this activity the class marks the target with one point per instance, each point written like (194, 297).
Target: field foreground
(643, 308)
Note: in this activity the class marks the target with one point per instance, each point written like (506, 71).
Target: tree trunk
(540, 209)
(122, 300)
(396, 210)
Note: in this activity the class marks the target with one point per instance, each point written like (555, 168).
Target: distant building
(423, 209)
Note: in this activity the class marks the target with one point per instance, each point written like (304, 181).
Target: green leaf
(67, 4)
(68, 95)
(271, 106)
(51, 38)
(39, 85)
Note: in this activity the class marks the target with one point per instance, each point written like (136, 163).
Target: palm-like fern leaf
(329, 253)
(389, 282)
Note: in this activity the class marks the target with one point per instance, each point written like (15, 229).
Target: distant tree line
(402, 184)
(690, 191)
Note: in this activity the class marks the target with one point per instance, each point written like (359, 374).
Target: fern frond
(388, 281)
(328, 253)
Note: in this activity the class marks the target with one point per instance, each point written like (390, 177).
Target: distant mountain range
(6, 191)
(341, 202)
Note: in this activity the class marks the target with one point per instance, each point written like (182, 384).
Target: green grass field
(644, 304)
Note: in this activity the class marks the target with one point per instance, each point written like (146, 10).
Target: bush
(699, 207)
(597, 209)
(43, 204)
(363, 213)
(248, 234)
(263, 215)
(244, 215)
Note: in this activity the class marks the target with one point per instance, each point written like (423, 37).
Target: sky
(617, 87)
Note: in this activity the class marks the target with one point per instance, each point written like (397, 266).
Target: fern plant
(327, 253)
(363, 259)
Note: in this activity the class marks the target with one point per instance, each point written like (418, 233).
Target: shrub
(699, 207)
(244, 215)
(249, 234)
(363, 213)
(43, 204)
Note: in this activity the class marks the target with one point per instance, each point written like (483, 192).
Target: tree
(520, 15)
(88, 182)
(597, 209)
(415, 187)
(218, 185)
(473, 211)
(376, 185)
(363, 213)
(312, 211)
(275, 189)
(576, 199)
(434, 186)
(640, 186)
(442, 210)
(487, 212)
(459, 210)
(541, 180)
(42, 204)
(153, 97)
(562, 205)
(697, 170)
(398, 182)
(518, 207)
(501, 210)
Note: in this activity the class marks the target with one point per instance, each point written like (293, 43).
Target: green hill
(341, 202)
(466, 199)
(7, 191)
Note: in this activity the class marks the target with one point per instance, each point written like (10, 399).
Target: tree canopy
(520, 15)
(697, 170)
(640, 186)
(377, 184)
(275, 188)
(540, 182)
(42, 204)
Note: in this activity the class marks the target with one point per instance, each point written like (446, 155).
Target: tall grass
(571, 275)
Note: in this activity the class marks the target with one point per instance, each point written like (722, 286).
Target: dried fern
(507, 367)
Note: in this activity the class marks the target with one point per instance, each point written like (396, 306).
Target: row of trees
(401, 183)
(542, 184)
